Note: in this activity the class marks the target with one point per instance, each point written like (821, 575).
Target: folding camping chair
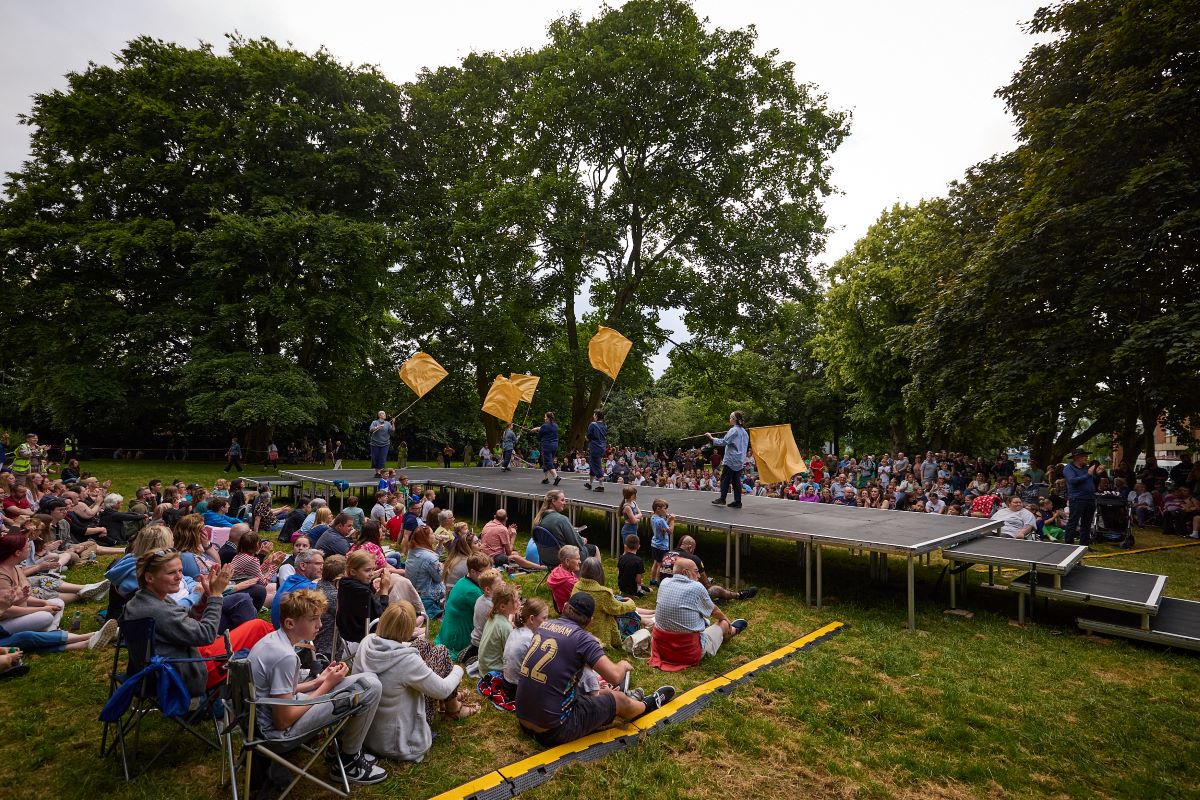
(243, 708)
(136, 638)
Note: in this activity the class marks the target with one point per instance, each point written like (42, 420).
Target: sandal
(17, 671)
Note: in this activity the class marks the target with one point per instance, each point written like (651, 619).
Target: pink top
(561, 583)
(375, 550)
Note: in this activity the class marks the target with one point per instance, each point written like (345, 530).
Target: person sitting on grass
(562, 578)
(368, 540)
(309, 565)
(401, 729)
(1017, 522)
(549, 705)
(46, 641)
(682, 633)
(533, 613)
(630, 569)
(362, 596)
(497, 538)
(247, 568)
(615, 617)
(276, 669)
(425, 571)
(216, 517)
(331, 576)
(461, 547)
(505, 600)
(488, 580)
(459, 618)
(176, 633)
(288, 568)
(42, 571)
(687, 549)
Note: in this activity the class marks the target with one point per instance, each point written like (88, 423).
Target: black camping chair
(244, 704)
(547, 546)
(136, 638)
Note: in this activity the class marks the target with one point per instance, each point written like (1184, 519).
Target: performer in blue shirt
(548, 440)
(736, 443)
(597, 444)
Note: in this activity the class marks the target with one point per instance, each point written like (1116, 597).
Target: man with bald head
(497, 539)
(687, 549)
(687, 624)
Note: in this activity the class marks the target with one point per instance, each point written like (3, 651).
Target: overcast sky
(919, 75)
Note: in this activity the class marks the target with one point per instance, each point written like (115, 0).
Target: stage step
(1177, 624)
(1119, 589)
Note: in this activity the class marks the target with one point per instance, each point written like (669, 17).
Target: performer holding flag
(597, 443)
(736, 442)
(380, 437)
(548, 439)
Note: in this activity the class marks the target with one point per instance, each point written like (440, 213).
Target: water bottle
(75, 621)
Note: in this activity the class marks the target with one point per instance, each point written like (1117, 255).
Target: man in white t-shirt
(1018, 521)
(935, 504)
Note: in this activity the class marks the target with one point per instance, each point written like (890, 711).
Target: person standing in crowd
(508, 443)
(597, 444)
(736, 443)
(402, 455)
(233, 456)
(547, 434)
(1081, 497)
(71, 448)
(380, 438)
(339, 453)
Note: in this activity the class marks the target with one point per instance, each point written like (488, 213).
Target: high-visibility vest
(21, 465)
(70, 445)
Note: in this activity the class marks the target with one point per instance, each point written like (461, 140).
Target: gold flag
(607, 351)
(502, 398)
(422, 373)
(527, 384)
(776, 453)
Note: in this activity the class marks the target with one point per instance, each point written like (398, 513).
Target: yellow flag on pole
(776, 453)
(526, 383)
(422, 373)
(607, 351)
(502, 398)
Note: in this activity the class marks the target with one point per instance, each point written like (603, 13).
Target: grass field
(961, 708)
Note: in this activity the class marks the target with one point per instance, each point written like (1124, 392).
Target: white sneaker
(94, 591)
(1194, 536)
(104, 636)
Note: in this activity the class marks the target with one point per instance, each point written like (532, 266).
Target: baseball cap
(583, 603)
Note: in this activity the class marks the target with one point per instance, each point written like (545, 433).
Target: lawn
(960, 708)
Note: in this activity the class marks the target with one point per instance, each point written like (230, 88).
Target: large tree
(207, 238)
(1105, 229)
(684, 169)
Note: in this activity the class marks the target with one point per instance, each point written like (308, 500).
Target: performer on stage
(380, 440)
(548, 439)
(597, 443)
(508, 443)
(736, 443)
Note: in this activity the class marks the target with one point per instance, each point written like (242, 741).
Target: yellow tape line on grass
(1142, 550)
(635, 728)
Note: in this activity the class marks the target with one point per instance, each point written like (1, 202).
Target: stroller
(1114, 520)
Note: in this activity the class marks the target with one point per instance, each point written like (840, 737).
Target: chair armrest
(342, 695)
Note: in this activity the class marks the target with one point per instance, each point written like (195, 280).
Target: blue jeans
(504, 462)
(35, 641)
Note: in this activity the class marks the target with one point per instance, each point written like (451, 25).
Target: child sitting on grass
(488, 581)
(630, 569)
(505, 602)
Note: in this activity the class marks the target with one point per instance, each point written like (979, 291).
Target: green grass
(961, 708)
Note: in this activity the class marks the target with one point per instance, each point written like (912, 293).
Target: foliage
(189, 208)
(693, 166)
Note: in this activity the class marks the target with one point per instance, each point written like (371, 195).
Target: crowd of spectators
(351, 605)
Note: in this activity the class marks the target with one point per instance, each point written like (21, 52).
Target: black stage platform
(811, 525)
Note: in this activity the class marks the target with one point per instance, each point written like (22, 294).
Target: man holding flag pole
(736, 443)
(597, 443)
